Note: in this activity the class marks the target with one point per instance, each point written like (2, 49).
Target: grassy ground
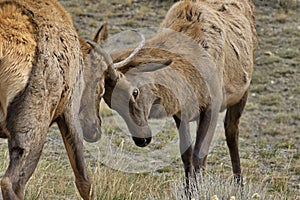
(269, 138)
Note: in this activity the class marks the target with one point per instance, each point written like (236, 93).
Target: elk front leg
(72, 136)
(231, 123)
(186, 148)
(206, 128)
(3, 132)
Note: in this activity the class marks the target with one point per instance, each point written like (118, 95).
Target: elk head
(133, 96)
(99, 64)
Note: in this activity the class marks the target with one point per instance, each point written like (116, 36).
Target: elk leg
(72, 136)
(186, 148)
(206, 128)
(3, 132)
(25, 149)
(231, 123)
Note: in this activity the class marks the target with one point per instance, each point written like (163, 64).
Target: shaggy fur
(16, 46)
(41, 82)
(201, 63)
(226, 30)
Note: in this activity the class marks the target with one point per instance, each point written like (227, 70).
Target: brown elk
(199, 64)
(44, 68)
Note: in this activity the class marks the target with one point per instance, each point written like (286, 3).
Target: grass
(271, 99)
(288, 53)
(269, 136)
(266, 60)
(53, 178)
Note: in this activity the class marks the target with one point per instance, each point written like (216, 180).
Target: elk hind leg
(24, 150)
(231, 124)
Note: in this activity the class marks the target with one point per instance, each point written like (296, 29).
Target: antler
(114, 75)
(112, 67)
(133, 54)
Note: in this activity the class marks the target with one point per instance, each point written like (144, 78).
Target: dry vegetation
(269, 138)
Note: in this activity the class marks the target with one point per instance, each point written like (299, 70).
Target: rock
(268, 53)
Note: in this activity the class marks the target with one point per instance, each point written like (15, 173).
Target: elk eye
(135, 93)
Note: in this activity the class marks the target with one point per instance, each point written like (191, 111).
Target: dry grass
(269, 138)
(53, 178)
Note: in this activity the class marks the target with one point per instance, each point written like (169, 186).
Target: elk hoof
(238, 179)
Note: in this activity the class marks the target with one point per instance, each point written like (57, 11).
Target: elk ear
(102, 34)
(154, 65)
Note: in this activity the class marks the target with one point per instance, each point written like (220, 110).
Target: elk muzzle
(92, 134)
(141, 142)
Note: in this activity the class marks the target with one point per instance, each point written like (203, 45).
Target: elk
(45, 69)
(201, 63)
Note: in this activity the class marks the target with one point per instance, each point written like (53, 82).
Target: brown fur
(223, 29)
(13, 77)
(202, 77)
(42, 78)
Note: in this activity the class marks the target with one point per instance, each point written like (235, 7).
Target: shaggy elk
(44, 66)
(198, 65)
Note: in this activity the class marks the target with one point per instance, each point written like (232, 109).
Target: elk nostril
(148, 140)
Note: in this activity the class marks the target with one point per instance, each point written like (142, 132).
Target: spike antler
(114, 75)
(133, 54)
(112, 67)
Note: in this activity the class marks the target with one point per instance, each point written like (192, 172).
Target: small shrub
(287, 4)
(270, 99)
(282, 17)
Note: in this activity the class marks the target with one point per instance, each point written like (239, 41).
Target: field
(269, 130)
